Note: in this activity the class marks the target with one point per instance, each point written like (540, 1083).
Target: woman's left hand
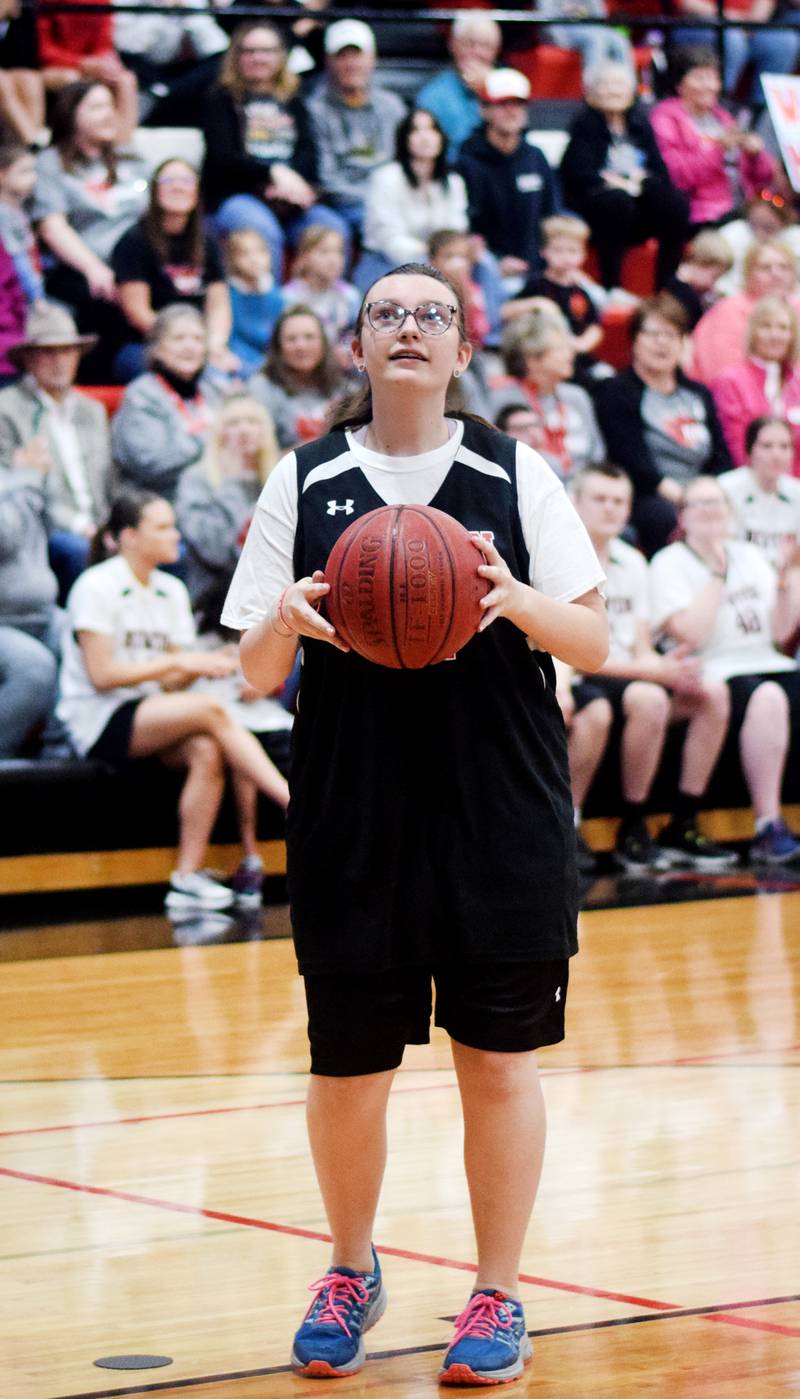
(503, 598)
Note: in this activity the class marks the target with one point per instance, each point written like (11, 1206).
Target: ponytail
(126, 512)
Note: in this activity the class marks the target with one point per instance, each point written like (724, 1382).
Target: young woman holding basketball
(430, 833)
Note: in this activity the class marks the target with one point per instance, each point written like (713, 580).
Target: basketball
(405, 588)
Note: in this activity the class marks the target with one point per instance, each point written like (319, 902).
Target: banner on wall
(783, 103)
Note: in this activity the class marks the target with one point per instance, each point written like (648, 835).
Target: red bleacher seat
(110, 395)
(551, 72)
(615, 346)
(638, 268)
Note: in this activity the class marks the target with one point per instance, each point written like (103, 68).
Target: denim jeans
(28, 674)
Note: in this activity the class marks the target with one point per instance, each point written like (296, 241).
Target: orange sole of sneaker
(321, 1370)
(463, 1375)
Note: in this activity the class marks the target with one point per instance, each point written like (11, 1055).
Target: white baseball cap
(349, 34)
(504, 85)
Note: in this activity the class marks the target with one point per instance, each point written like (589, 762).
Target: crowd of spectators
(220, 298)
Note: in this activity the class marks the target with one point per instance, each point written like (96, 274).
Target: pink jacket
(739, 396)
(696, 162)
(718, 339)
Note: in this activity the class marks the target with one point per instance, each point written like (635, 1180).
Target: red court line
(248, 1222)
(752, 1325)
(548, 1072)
(192, 1112)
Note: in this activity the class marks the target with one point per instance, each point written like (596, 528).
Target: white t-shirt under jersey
(563, 564)
(741, 641)
(627, 599)
(770, 519)
(144, 621)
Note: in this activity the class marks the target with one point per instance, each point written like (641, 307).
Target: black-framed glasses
(432, 317)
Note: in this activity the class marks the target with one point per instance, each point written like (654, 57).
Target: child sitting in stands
(256, 302)
(318, 282)
(17, 179)
(695, 285)
(453, 254)
(565, 240)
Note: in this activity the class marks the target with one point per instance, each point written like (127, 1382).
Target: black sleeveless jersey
(431, 814)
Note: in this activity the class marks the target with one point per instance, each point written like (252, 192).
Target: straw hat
(50, 327)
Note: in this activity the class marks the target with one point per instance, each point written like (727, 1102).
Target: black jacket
(227, 168)
(587, 153)
(618, 402)
(508, 195)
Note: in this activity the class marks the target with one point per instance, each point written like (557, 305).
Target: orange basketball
(405, 588)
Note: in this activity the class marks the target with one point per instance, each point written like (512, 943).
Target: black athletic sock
(685, 808)
(632, 814)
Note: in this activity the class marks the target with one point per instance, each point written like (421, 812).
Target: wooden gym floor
(157, 1195)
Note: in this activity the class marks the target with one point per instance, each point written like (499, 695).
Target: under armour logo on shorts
(347, 507)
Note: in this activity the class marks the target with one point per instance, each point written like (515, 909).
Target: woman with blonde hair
(216, 498)
(718, 339)
(260, 169)
(767, 382)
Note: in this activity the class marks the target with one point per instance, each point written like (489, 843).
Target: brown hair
(356, 410)
(663, 305)
(326, 377)
(609, 469)
(284, 85)
(152, 219)
(62, 128)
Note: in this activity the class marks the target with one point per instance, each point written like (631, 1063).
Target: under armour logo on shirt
(347, 507)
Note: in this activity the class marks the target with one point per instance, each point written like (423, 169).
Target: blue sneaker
(330, 1341)
(775, 845)
(491, 1345)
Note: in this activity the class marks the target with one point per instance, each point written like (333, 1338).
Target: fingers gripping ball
(404, 586)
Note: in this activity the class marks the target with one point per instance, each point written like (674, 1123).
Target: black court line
(432, 1349)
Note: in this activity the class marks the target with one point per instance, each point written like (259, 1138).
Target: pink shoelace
(482, 1316)
(342, 1291)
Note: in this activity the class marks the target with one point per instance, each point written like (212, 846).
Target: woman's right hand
(286, 184)
(101, 281)
(205, 664)
(298, 611)
(671, 490)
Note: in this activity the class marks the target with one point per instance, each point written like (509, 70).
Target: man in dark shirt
(510, 185)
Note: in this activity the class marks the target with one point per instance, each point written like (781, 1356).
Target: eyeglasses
(177, 182)
(260, 50)
(432, 317)
(656, 333)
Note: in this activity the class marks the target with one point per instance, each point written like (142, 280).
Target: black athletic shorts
(743, 687)
(611, 688)
(113, 745)
(362, 1024)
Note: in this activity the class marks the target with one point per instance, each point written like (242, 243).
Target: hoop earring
(456, 373)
